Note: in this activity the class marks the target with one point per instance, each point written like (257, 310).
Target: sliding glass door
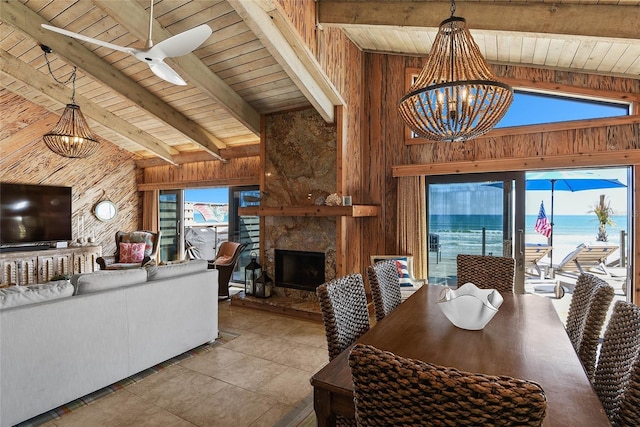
(473, 214)
(546, 220)
(171, 225)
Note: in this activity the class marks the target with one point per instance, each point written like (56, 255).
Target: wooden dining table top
(526, 339)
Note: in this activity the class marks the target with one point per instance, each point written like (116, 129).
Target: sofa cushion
(14, 296)
(158, 272)
(86, 283)
(131, 252)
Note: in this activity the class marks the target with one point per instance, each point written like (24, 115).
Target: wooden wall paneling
(237, 171)
(342, 223)
(109, 173)
(343, 64)
(392, 147)
(635, 249)
(373, 158)
(302, 13)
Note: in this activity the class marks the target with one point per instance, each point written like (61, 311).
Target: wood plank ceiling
(232, 78)
(251, 64)
(591, 36)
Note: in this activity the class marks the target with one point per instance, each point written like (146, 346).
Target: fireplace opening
(299, 269)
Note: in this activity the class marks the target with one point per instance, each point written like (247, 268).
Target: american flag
(543, 226)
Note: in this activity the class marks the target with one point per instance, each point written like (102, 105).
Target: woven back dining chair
(393, 390)
(343, 303)
(590, 302)
(629, 413)
(618, 355)
(385, 287)
(486, 272)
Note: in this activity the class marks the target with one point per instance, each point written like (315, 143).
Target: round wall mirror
(105, 210)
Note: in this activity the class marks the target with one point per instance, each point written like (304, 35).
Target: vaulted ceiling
(255, 63)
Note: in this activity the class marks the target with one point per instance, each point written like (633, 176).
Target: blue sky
(210, 195)
(532, 108)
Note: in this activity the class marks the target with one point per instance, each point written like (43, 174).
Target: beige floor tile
(278, 327)
(242, 319)
(211, 362)
(273, 415)
(289, 388)
(182, 391)
(309, 333)
(155, 379)
(156, 417)
(304, 357)
(235, 407)
(115, 409)
(259, 345)
(251, 373)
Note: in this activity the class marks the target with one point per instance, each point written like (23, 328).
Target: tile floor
(252, 380)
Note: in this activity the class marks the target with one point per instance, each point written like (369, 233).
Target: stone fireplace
(300, 169)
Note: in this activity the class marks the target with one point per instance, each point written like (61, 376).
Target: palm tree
(603, 211)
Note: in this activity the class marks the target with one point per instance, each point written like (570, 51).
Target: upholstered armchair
(225, 262)
(133, 250)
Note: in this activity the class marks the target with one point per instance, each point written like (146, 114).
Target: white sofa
(116, 324)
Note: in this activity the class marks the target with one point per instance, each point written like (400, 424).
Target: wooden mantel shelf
(353, 211)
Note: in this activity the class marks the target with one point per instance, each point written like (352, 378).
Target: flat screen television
(31, 214)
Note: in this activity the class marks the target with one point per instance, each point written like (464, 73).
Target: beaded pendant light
(456, 97)
(71, 137)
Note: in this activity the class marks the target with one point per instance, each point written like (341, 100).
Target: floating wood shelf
(353, 211)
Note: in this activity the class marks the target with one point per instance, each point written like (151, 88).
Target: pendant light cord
(72, 77)
(453, 7)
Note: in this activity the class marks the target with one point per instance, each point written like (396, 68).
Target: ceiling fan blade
(89, 39)
(165, 72)
(180, 44)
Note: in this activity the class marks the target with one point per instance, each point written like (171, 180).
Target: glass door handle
(521, 238)
(520, 260)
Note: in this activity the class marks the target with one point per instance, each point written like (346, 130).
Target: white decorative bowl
(470, 307)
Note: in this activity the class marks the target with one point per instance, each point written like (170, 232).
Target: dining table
(525, 339)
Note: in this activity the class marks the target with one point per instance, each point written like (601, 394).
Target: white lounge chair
(534, 252)
(586, 256)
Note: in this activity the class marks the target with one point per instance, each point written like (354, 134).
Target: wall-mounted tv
(34, 214)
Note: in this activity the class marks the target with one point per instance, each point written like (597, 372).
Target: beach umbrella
(568, 180)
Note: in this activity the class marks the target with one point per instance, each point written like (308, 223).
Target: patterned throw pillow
(403, 272)
(140, 236)
(131, 252)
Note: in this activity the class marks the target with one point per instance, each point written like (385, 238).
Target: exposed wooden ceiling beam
(136, 20)
(595, 20)
(201, 156)
(274, 30)
(25, 20)
(15, 142)
(16, 69)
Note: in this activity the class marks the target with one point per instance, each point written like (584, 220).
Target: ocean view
(463, 233)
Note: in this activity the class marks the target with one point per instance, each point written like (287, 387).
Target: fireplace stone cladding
(300, 167)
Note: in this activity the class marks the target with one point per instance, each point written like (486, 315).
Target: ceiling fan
(153, 55)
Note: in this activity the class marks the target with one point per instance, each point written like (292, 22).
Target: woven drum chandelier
(455, 97)
(71, 137)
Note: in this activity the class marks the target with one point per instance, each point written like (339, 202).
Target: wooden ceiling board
(586, 54)
(236, 55)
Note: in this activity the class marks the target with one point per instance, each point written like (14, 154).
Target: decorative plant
(603, 211)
